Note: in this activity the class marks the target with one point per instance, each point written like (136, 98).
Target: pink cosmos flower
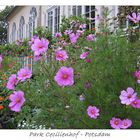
(73, 38)
(58, 34)
(61, 55)
(19, 42)
(136, 103)
(93, 112)
(128, 96)
(83, 26)
(84, 55)
(40, 46)
(1, 59)
(137, 75)
(63, 43)
(67, 32)
(87, 84)
(17, 100)
(64, 77)
(135, 17)
(79, 33)
(37, 57)
(32, 40)
(116, 123)
(90, 37)
(12, 82)
(24, 74)
(88, 60)
(126, 123)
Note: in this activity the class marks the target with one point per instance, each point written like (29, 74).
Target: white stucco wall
(42, 16)
(25, 12)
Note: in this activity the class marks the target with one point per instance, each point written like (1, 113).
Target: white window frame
(14, 32)
(75, 10)
(89, 12)
(32, 21)
(51, 12)
(21, 27)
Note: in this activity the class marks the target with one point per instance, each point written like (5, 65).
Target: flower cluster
(73, 38)
(17, 98)
(117, 123)
(129, 97)
(65, 74)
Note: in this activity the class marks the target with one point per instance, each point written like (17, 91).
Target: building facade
(24, 19)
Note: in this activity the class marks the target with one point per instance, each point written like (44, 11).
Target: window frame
(89, 12)
(75, 10)
(32, 21)
(14, 32)
(21, 27)
(53, 19)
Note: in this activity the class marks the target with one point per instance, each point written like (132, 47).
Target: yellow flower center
(17, 100)
(60, 55)
(135, 102)
(116, 122)
(129, 96)
(138, 76)
(65, 76)
(40, 46)
(125, 124)
(92, 112)
(24, 74)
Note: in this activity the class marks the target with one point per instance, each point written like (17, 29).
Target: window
(26, 62)
(77, 10)
(50, 21)
(45, 19)
(21, 28)
(54, 19)
(14, 32)
(90, 13)
(32, 18)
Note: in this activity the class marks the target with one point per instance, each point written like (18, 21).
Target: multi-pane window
(77, 10)
(14, 32)
(50, 21)
(21, 28)
(56, 19)
(90, 13)
(32, 18)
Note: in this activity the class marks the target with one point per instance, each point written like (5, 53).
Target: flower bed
(83, 79)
